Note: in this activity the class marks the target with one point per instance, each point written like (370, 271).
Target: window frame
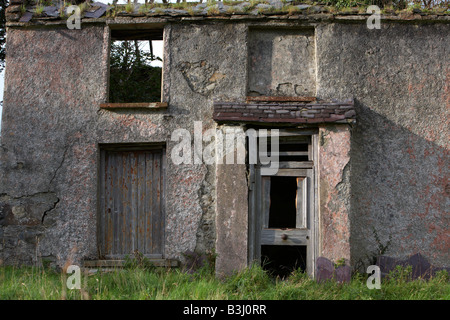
(117, 32)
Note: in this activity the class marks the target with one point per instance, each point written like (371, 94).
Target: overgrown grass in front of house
(252, 283)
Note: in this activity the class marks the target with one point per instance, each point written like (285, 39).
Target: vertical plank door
(131, 213)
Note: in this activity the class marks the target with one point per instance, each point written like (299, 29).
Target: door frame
(255, 199)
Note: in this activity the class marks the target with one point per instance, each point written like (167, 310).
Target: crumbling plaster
(396, 162)
(399, 77)
(64, 126)
(334, 192)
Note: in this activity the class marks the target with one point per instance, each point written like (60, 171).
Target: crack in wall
(48, 210)
(51, 181)
(29, 211)
(59, 166)
(7, 198)
(25, 196)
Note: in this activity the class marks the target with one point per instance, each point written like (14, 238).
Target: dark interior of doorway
(283, 193)
(281, 261)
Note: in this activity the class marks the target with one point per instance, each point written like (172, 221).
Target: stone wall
(334, 192)
(54, 82)
(232, 209)
(391, 177)
(281, 62)
(52, 128)
(200, 68)
(399, 78)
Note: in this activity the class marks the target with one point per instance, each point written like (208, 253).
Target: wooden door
(282, 205)
(131, 215)
(286, 209)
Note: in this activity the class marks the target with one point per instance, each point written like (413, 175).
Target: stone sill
(136, 105)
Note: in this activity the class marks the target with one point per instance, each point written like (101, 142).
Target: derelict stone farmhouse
(361, 116)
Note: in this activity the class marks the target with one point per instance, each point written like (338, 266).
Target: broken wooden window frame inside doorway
(131, 210)
(302, 235)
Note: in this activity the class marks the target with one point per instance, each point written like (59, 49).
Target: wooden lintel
(136, 105)
(280, 99)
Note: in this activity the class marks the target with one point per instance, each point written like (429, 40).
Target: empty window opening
(281, 261)
(283, 202)
(135, 66)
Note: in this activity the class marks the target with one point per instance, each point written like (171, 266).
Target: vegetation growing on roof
(39, 9)
(213, 7)
(230, 7)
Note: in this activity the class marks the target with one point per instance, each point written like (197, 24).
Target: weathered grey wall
(282, 62)
(399, 77)
(232, 223)
(204, 62)
(48, 156)
(52, 126)
(397, 176)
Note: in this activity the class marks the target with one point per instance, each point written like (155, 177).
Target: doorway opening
(281, 261)
(282, 206)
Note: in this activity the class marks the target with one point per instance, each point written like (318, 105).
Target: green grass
(253, 283)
